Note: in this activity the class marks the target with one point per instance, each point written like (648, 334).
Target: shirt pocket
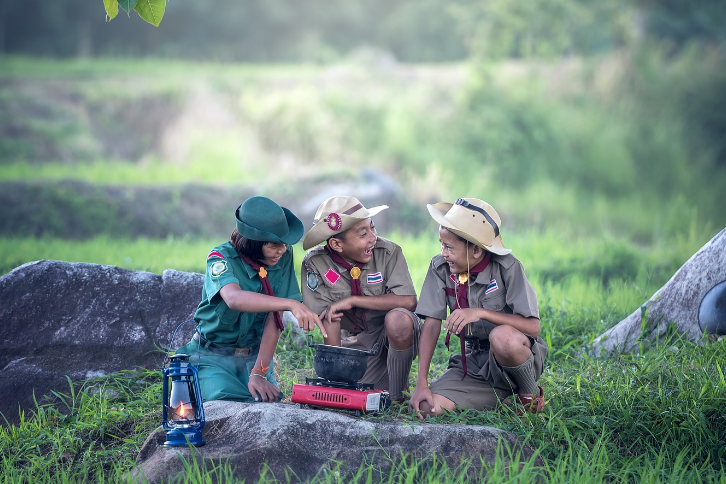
(226, 315)
(495, 302)
(338, 294)
(372, 289)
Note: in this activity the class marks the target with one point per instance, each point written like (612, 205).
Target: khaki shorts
(486, 383)
(377, 371)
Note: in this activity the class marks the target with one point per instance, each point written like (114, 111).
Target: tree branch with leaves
(150, 10)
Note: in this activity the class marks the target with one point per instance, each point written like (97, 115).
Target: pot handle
(373, 351)
(310, 341)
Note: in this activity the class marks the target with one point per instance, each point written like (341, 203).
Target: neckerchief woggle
(462, 283)
(355, 289)
(262, 272)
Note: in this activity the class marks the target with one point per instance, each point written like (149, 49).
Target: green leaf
(151, 10)
(111, 7)
(127, 5)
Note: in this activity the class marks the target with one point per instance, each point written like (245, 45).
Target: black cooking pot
(336, 363)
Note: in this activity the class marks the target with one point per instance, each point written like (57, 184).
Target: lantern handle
(166, 353)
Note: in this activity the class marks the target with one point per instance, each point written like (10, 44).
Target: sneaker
(530, 403)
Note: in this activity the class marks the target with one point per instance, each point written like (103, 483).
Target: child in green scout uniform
(249, 280)
(493, 310)
(360, 286)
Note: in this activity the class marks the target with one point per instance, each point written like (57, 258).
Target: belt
(223, 350)
(477, 344)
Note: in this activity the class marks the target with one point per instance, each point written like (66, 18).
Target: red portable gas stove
(357, 396)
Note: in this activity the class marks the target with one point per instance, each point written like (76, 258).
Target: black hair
(340, 236)
(250, 248)
(456, 235)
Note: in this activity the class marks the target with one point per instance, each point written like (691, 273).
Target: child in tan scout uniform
(360, 286)
(493, 310)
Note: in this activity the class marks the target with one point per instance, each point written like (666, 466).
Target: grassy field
(653, 417)
(603, 195)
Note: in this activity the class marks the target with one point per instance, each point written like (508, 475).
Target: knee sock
(524, 376)
(399, 366)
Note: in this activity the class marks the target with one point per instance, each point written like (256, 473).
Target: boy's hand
(335, 310)
(459, 318)
(324, 314)
(422, 400)
(262, 389)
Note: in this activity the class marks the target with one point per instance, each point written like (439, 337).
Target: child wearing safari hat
(492, 310)
(360, 286)
(249, 280)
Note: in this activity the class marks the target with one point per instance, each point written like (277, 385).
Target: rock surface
(280, 438)
(83, 321)
(677, 302)
(88, 320)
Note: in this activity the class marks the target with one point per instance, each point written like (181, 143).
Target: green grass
(150, 255)
(604, 196)
(29, 67)
(654, 417)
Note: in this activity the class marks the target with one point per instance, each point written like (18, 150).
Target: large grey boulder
(280, 438)
(676, 303)
(83, 321)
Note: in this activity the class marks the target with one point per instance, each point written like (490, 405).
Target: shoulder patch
(332, 276)
(215, 254)
(312, 280)
(218, 268)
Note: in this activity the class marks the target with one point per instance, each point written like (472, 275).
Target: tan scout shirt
(324, 281)
(501, 287)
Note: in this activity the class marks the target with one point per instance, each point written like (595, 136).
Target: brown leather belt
(223, 350)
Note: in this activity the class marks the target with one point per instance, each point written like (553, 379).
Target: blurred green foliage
(233, 30)
(318, 30)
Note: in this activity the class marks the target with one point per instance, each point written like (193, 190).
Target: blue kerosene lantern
(183, 412)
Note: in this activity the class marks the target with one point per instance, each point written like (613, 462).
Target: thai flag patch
(332, 276)
(453, 278)
(376, 278)
(492, 286)
(214, 253)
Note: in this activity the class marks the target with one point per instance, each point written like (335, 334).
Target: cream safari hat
(472, 219)
(336, 215)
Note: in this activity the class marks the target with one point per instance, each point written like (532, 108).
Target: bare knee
(510, 346)
(399, 329)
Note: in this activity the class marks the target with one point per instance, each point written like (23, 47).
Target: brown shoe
(530, 403)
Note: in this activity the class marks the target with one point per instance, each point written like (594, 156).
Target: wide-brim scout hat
(259, 218)
(336, 215)
(472, 219)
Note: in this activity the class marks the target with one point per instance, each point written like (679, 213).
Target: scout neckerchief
(461, 281)
(262, 272)
(355, 289)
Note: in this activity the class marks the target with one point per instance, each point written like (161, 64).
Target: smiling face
(454, 251)
(272, 252)
(356, 243)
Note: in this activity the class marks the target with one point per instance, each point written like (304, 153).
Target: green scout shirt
(227, 327)
(324, 281)
(502, 286)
